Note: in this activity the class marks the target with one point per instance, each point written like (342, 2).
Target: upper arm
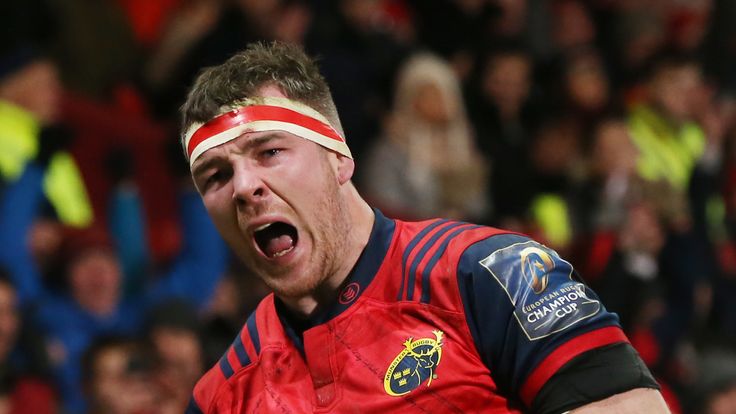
(203, 259)
(530, 317)
(20, 206)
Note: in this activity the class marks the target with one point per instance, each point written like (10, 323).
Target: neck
(361, 218)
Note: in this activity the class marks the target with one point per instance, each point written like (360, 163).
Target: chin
(292, 287)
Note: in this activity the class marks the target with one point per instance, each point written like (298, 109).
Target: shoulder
(427, 254)
(450, 235)
(241, 355)
(530, 314)
(536, 289)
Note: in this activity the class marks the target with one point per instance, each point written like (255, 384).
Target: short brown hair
(283, 65)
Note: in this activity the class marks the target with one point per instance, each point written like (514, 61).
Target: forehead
(249, 142)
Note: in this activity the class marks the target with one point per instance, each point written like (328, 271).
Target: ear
(345, 169)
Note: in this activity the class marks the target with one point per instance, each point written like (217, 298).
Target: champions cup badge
(415, 364)
(535, 265)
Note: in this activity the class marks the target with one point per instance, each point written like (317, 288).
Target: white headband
(264, 114)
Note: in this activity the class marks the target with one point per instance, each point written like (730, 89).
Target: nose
(248, 187)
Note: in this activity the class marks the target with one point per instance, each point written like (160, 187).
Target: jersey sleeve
(20, 204)
(531, 316)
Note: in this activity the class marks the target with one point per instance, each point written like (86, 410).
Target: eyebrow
(248, 145)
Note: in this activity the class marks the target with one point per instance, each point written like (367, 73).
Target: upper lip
(256, 223)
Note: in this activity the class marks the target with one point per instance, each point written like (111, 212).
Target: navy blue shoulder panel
(193, 408)
(522, 300)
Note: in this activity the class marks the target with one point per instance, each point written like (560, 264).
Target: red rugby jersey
(436, 317)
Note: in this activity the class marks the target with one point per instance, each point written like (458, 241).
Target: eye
(271, 152)
(213, 179)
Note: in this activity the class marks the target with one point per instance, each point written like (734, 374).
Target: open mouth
(276, 239)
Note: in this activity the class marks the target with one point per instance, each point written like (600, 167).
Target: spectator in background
(118, 377)
(173, 330)
(466, 27)
(613, 166)
(557, 168)
(203, 33)
(23, 385)
(639, 37)
(586, 90)
(360, 53)
(93, 305)
(237, 294)
(502, 111)
(664, 128)
(82, 46)
(572, 27)
(170, 59)
(427, 165)
(30, 129)
(715, 386)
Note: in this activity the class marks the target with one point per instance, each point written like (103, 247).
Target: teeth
(263, 226)
(283, 252)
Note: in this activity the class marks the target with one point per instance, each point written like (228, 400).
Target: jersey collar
(355, 284)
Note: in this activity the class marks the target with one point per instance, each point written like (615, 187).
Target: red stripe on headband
(243, 115)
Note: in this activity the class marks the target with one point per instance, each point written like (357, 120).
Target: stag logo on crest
(414, 365)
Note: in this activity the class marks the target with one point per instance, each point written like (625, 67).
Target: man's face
(672, 84)
(506, 80)
(115, 388)
(94, 278)
(277, 200)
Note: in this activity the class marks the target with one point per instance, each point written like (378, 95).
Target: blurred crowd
(605, 129)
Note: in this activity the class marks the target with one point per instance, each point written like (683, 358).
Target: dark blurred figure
(359, 52)
(557, 167)
(203, 33)
(714, 391)
(237, 294)
(23, 364)
(639, 35)
(118, 377)
(174, 332)
(585, 92)
(720, 45)
(94, 46)
(467, 25)
(572, 26)
(502, 109)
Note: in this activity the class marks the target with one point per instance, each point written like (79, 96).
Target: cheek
(220, 208)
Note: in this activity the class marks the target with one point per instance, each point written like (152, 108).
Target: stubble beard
(331, 228)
